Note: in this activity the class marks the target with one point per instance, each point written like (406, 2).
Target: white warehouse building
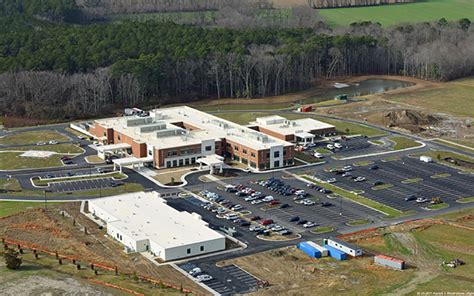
(144, 222)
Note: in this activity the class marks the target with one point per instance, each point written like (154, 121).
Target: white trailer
(347, 248)
(426, 159)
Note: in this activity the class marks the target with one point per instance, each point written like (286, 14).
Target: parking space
(345, 147)
(75, 173)
(408, 178)
(226, 280)
(82, 185)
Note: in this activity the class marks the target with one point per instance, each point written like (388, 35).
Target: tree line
(62, 71)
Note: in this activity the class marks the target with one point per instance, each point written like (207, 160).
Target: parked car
(284, 232)
(255, 218)
(204, 278)
(284, 206)
(267, 222)
(244, 223)
(347, 174)
(309, 225)
(40, 143)
(347, 168)
(294, 219)
(195, 271)
(331, 180)
(318, 155)
(53, 142)
(359, 179)
(65, 158)
(236, 208)
(116, 184)
(326, 204)
(374, 167)
(100, 170)
(410, 197)
(330, 146)
(302, 222)
(255, 228)
(378, 183)
(421, 200)
(337, 145)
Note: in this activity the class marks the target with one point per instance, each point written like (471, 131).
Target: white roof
(113, 147)
(168, 135)
(132, 160)
(284, 126)
(211, 159)
(304, 135)
(144, 215)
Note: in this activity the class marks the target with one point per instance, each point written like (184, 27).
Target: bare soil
(50, 230)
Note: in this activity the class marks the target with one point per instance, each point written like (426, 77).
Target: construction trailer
(312, 249)
(343, 246)
(389, 262)
(426, 159)
(335, 253)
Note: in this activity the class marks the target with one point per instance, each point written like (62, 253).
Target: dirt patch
(460, 162)
(409, 119)
(49, 229)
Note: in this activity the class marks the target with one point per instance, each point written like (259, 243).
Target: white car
(359, 179)
(250, 198)
(330, 146)
(309, 224)
(421, 200)
(346, 174)
(231, 216)
(256, 202)
(337, 145)
(332, 180)
(195, 271)
(53, 142)
(318, 155)
(204, 278)
(347, 168)
(268, 198)
(236, 208)
(277, 228)
(40, 144)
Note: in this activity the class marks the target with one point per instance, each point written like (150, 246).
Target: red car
(267, 222)
(255, 218)
(274, 202)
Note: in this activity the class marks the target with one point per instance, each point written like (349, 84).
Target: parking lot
(71, 186)
(406, 177)
(346, 147)
(292, 212)
(226, 280)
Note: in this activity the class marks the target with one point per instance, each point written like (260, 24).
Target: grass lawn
(349, 128)
(458, 93)
(322, 229)
(8, 208)
(388, 15)
(377, 142)
(466, 199)
(329, 103)
(323, 150)
(391, 158)
(13, 161)
(453, 145)
(440, 155)
(306, 157)
(239, 107)
(363, 163)
(403, 142)
(382, 187)
(413, 180)
(58, 148)
(438, 206)
(388, 211)
(32, 137)
(358, 222)
(94, 159)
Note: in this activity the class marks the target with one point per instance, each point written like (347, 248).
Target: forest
(55, 70)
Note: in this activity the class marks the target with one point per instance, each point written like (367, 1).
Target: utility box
(335, 253)
(310, 250)
(426, 159)
(389, 262)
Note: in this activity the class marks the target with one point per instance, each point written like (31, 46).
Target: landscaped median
(45, 182)
(386, 210)
(466, 199)
(438, 206)
(403, 142)
(322, 229)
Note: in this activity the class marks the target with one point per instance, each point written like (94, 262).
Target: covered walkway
(211, 162)
(120, 149)
(139, 162)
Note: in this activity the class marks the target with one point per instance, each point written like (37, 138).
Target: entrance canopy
(211, 161)
(305, 137)
(113, 149)
(131, 161)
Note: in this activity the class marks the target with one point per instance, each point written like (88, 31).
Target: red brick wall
(98, 131)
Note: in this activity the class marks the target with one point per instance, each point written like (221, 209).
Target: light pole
(45, 199)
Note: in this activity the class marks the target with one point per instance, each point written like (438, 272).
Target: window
(202, 248)
(236, 148)
(168, 164)
(208, 148)
(150, 152)
(244, 151)
(245, 161)
(276, 163)
(186, 161)
(284, 152)
(175, 163)
(105, 134)
(188, 251)
(290, 161)
(118, 137)
(268, 154)
(236, 158)
(253, 164)
(180, 162)
(276, 154)
(193, 160)
(252, 154)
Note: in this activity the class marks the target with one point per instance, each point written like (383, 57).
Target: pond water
(366, 87)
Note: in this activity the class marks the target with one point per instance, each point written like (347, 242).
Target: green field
(388, 15)
(453, 97)
(403, 142)
(13, 161)
(8, 208)
(32, 137)
(58, 148)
